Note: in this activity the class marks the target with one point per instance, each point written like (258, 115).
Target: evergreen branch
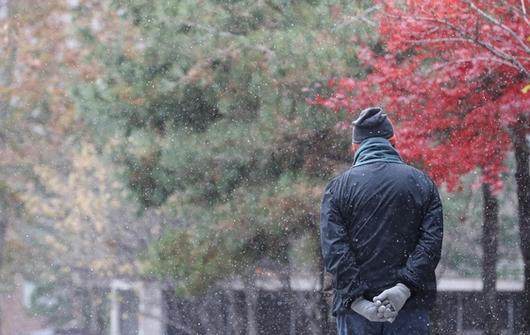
(275, 7)
(225, 33)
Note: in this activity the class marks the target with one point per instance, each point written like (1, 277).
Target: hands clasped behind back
(373, 312)
(385, 306)
(396, 296)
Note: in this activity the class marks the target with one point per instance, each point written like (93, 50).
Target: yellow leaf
(526, 88)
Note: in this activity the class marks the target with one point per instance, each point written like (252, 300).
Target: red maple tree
(454, 75)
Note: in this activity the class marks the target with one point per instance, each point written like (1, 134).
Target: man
(381, 236)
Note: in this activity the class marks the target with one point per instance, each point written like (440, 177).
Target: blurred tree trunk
(309, 304)
(90, 310)
(301, 305)
(291, 301)
(233, 313)
(7, 71)
(8, 67)
(208, 324)
(251, 300)
(4, 221)
(323, 304)
(522, 178)
(6, 80)
(285, 272)
(5, 210)
(489, 268)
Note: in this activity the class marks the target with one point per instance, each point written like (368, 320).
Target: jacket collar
(376, 149)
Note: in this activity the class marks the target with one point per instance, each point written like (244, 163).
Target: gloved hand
(396, 296)
(371, 312)
(385, 310)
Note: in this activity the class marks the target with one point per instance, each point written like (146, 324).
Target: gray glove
(385, 310)
(397, 296)
(371, 312)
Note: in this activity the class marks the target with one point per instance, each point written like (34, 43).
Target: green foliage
(258, 223)
(192, 263)
(208, 118)
(65, 305)
(55, 303)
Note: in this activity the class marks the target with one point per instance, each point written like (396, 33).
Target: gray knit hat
(372, 122)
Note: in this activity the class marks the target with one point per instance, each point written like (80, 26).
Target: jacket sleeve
(336, 250)
(420, 265)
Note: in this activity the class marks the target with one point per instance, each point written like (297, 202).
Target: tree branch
(362, 17)
(525, 15)
(498, 24)
(485, 59)
(464, 35)
(275, 7)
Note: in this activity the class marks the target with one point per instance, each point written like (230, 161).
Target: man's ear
(354, 147)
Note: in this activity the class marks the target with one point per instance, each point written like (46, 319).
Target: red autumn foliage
(452, 77)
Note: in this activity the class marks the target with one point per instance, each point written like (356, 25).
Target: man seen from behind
(381, 231)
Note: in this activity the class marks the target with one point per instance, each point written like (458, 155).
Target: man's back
(381, 224)
(383, 205)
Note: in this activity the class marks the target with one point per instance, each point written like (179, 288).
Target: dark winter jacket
(380, 224)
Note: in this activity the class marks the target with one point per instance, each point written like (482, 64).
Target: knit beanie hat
(372, 122)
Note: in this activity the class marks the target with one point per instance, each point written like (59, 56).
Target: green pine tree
(209, 119)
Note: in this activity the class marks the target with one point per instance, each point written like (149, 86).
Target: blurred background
(162, 162)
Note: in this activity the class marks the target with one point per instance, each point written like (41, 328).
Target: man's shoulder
(335, 179)
(422, 180)
(393, 170)
(338, 181)
(409, 169)
(398, 169)
(420, 174)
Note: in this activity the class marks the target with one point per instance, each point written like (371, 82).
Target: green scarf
(376, 149)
